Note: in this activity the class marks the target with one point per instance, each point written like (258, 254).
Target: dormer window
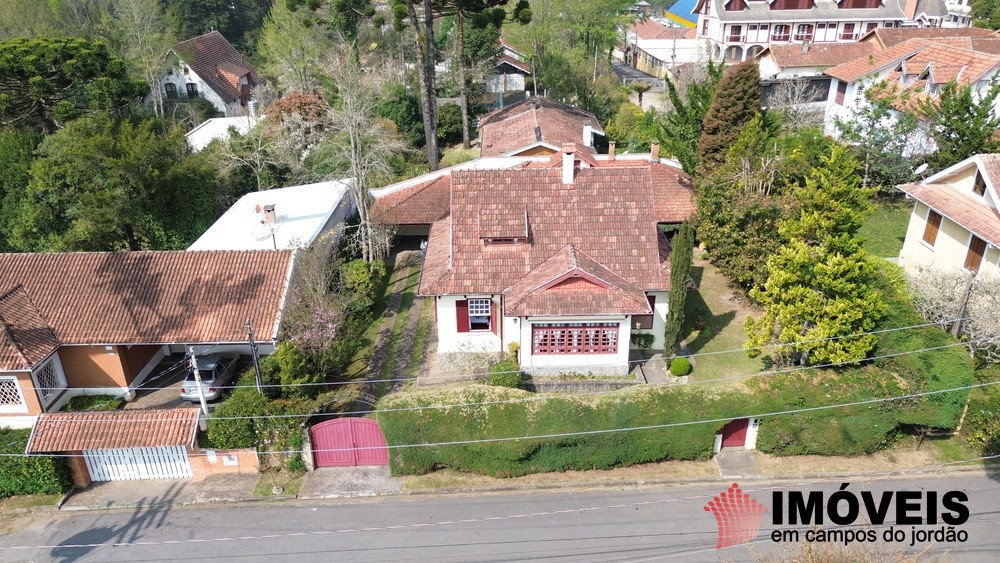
(736, 6)
(858, 4)
(979, 188)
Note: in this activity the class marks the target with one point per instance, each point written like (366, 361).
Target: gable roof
(162, 297)
(210, 55)
(977, 218)
(516, 64)
(99, 430)
(887, 37)
(25, 338)
(422, 204)
(860, 67)
(531, 122)
(609, 214)
(818, 55)
(654, 30)
(549, 290)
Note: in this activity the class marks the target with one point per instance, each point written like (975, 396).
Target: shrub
(642, 340)
(81, 403)
(680, 366)
(29, 475)
(505, 373)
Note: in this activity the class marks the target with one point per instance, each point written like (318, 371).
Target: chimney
(588, 135)
(568, 158)
(805, 46)
(252, 108)
(654, 152)
(611, 150)
(269, 216)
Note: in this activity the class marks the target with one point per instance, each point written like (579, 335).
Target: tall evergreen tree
(683, 123)
(962, 123)
(819, 289)
(737, 100)
(680, 269)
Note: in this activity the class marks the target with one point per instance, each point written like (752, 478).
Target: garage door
(348, 441)
(132, 464)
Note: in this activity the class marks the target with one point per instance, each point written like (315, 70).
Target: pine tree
(683, 125)
(737, 100)
(680, 269)
(820, 283)
(962, 123)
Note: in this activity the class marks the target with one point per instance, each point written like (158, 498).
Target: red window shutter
(493, 317)
(841, 92)
(462, 315)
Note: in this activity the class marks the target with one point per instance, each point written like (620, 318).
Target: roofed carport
(119, 445)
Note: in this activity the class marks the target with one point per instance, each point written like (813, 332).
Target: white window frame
(23, 407)
(477, 307)
(48, 395)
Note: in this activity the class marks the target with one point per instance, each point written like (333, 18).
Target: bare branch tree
(939, 295)
(366, 147)
(791, 99)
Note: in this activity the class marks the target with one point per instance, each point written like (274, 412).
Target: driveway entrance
(348, 441)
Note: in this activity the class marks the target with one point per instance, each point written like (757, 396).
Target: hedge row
(851, 430)
(28, 475)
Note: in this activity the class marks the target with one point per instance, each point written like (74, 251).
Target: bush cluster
(20, 475)
(680, 366)
(506, 373)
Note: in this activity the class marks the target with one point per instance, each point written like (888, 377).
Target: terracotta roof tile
(25, 338)
(819, 55)
(609, 213)
(153, 297)
(650, 29)
(584, 287)
(977, 217)
(891, 36)
(519, 65)
(99, 430)
(209, 55)
(417, 205)
(873, 62)
(991, 168)
(535, 120)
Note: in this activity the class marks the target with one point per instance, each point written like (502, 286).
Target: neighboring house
(562, 255)
(885, 37)
(509, 75)
(83, 323)
(682, 13)
(219, 128)
(918, 67)
(656, 48)
(128, 445)
(955, 224)
(739, 29)
(283, 218)
(209, 67)
(536, 126)
(781, 62)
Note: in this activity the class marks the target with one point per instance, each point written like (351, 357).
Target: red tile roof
(891, 36)
(609, 214)
(519, 65)
(650, 29)
(153, 297)
(977, 217)
(421, 204)
(209, 55)
(101, 430)
(991, 168)
(572, 281)
(864, 65)
(25, 338)
(535, 120)
(820, 55)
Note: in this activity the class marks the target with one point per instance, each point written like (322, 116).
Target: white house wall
(180, 81)
(450, 340)
(596, 364)
(950, 247)
(660, 308)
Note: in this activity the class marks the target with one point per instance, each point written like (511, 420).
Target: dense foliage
(29, 475)
(737, 100)
(681, 252)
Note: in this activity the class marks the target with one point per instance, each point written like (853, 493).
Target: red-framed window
(804, 32)
(476, 315)
(848, 33)
(735, 34)
(574, 338)
(841, 92)
(781, 32)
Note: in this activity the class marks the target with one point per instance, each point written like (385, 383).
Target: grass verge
(718, 345)
(290, 483)
(885, 228)
(362, 359)
(420, 337)
(396, 334)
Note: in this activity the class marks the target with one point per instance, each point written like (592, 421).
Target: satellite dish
(920, 169)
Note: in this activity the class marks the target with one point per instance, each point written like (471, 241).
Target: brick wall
(78, 469)
(204, 464)
(92, 366)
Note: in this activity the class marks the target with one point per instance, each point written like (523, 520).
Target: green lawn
(718, 346)
(359, 365)
(886, 227)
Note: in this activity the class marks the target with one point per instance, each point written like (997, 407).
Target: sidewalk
(163, 492)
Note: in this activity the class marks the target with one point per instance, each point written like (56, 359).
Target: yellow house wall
(949, 250)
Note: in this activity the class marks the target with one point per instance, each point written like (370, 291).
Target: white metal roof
(218, 128)
(301, 214)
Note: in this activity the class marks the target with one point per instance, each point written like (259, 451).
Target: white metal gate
(130, 464)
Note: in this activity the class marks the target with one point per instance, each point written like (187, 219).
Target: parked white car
(217, 370)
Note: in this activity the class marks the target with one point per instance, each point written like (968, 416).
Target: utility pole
(955, 328)
(253, 354)
(201, 390)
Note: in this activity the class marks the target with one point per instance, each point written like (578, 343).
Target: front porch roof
(572, 283)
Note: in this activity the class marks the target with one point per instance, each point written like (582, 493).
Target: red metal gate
(734, 434)
(348, 441)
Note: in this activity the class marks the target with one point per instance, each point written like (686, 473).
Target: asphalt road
(642, 524)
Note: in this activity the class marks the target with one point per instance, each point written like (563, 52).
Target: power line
(613, 430)
(664, 359)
